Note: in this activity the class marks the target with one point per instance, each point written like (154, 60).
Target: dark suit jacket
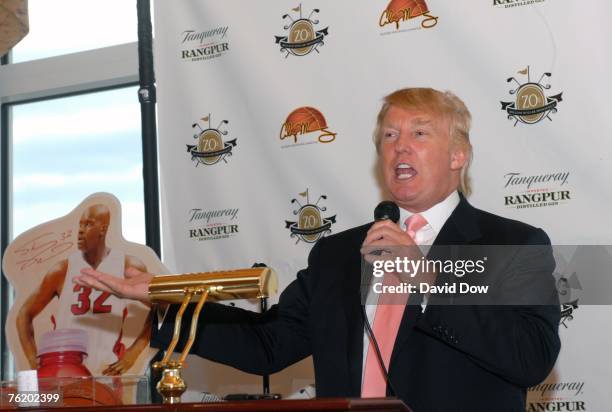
(449, 358)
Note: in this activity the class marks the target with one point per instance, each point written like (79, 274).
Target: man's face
(92, 230)
(420, 166)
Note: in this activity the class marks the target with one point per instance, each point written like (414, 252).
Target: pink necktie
(386, 324)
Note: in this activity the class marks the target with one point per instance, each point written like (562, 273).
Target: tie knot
(415, 223)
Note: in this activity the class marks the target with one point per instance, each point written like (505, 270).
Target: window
(66, 26)
(68, 148)
(56, 150)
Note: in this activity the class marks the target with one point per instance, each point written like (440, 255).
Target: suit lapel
(354, 342)
(461, 227)
(354, 319)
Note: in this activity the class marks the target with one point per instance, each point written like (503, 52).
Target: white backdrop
(238, 61)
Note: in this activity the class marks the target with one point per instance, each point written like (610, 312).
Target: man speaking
(433, 357)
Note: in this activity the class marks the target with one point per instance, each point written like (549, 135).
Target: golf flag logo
(310, 226)
(210, 148)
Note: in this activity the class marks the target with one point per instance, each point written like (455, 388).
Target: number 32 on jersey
(84, 299)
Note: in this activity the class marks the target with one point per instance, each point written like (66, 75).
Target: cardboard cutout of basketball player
(41, 263)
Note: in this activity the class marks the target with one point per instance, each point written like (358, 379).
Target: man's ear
(459, 156)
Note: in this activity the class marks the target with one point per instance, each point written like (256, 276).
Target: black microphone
(387, 210)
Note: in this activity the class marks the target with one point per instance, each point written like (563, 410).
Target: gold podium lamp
(253, 283)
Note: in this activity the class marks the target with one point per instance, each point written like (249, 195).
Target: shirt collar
(436, 215)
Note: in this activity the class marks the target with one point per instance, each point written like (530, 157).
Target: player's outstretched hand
(122, 365)
(135, 284)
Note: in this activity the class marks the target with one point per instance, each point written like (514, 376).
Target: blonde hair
(443, 104)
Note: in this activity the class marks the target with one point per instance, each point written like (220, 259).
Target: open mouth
(404, 171)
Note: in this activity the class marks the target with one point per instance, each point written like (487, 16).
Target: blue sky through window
(66, 149)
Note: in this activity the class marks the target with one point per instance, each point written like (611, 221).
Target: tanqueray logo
(514, 3)
(303, 121)
(400, 11)
(210, 148)
(536, 190)
(302, 38)
(197, 45)
(310, 226)
(531, 104)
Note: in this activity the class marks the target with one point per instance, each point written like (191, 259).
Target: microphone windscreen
(387, 210)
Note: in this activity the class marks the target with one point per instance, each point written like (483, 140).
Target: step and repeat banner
(266, 114)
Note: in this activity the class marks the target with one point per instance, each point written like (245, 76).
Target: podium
(331, 404)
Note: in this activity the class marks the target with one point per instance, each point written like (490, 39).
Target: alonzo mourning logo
(399, 13)
(310, 225)
(531, 104)
(302, 33)
(305, 125)
(211, 147)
